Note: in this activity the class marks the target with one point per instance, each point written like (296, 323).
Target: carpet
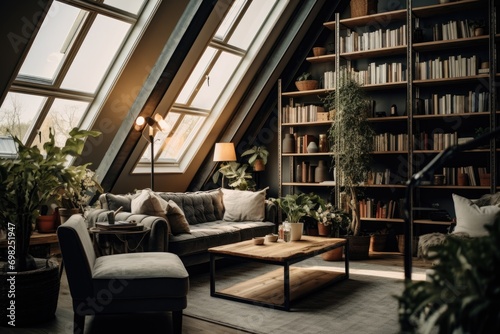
(363, 304)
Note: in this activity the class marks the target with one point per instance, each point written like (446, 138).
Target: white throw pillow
(471, 218)
(243, 205)
(147, 203)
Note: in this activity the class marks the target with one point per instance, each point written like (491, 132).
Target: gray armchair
(122, 283)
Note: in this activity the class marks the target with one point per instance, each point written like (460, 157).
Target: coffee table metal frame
(286, 263)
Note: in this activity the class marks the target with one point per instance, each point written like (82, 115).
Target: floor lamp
(224, 152)
(154, 123)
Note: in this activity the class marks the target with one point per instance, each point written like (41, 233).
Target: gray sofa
(215, 217)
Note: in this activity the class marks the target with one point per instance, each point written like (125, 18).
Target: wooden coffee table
(278, 288)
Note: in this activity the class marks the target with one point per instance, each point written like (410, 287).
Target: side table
(122, 235)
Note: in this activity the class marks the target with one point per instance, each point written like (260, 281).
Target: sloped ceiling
(135, 92)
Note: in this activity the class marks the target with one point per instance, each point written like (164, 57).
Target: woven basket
(363, 7)
(36, 292)
(306, 84)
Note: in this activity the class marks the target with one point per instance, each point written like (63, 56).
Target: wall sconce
(224, 152)
(155, 123)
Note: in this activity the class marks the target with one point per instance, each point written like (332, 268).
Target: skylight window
(207, 90)
(66, 65)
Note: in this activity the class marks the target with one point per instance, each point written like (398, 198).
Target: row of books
(385, 142)
(371, 208)
(435, 141)
(464, 176)
(447, 104)
(377, 74)
(381, 38)
(452, 29)
(300, 113)
(453, 67)
(379, 177)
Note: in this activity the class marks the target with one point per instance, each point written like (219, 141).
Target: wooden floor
(156, 323)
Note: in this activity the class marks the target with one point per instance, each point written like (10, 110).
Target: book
(119, 225)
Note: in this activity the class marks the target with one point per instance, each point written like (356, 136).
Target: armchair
(122, 283)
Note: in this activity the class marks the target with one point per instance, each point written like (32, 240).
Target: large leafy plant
(34, 179)
(353, 140)
(298, 205)
(237, 174)
(462, 293)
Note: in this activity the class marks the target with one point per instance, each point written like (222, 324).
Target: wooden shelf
(301, 93)
(317, 123)
(318, 154)
(439, 9)
(430, 222)
(451, 44)
(392, 16)
(388, 118)
(390, 152)
(322, 59)
(401, 84)
(447, 81)
(468, 114)
(478, 150)
(456, 187)
(309, 184)
(389, 220)
(384, 52)
(383, 185)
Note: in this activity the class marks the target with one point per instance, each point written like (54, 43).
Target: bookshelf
(441, 82)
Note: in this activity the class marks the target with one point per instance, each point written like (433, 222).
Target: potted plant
(296, 207)
(27, 182)
(353, 139)
(238, 176)
(258, 157)
(306, 82)
(460, 294)
(78, 194)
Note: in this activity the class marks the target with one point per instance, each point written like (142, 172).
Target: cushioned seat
(122, 283)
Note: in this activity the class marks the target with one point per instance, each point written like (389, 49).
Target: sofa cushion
(148, 203)
(176, 219)
(471, 218)
(243, 205)
(114, 202)
(198, 207)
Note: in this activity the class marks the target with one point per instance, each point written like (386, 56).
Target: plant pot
(478, 31)
(258, 165)
(296, 231)
(65, 213)
(306, 84)
(324, 230)
(333, 255)
(378, 242)
(401, 244)
(46, 224)
(37, 292)
(359, 247)
(319, 51)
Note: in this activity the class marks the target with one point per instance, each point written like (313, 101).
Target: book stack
(120, 225)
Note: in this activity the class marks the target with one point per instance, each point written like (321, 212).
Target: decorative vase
(288, 143)
(296, 231)
(333, 255)
(321, 172)
(312, 147)
(323, 143)
(324, 230)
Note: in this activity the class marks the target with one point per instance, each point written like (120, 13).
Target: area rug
(363, 304)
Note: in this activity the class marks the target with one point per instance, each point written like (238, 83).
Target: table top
(97, 230)
(279, 251)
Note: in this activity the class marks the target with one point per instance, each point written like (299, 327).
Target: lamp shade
(224, 152)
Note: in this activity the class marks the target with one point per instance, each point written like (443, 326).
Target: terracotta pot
(324, 231)
(46, 224)
(258, 165)
(333, 255)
